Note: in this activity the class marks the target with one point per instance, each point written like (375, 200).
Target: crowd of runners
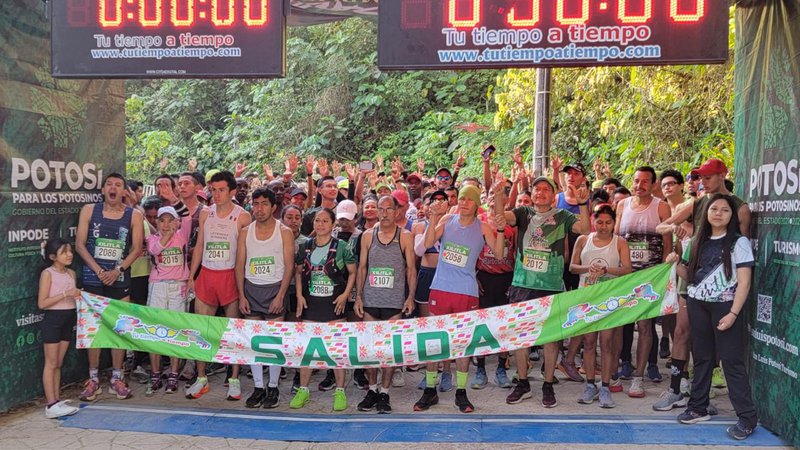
(357, 242)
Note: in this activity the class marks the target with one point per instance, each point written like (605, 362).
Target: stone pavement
(27, 428)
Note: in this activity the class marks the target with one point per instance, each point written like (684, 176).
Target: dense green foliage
(335, 103)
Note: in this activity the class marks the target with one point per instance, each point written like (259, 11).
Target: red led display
(444, 34)
(168, 38)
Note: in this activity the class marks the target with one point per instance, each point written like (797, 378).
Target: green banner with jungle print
(57, 139)
(104, 323)
(768, 177)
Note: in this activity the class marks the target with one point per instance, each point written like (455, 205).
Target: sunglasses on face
(443, 177)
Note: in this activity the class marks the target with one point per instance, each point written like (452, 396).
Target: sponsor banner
(107, 323)
(58, 138)
(767, 86)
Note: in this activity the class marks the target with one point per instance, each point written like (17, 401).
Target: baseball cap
(712, 167)
(381, 186)
(342, 183)
(201, 194)
(414, 176)
(446, 170)
(298, 191)
(346, 209)
(439, 193)
(546, 180)
(167, 210)
(576, 166)
(400, 196)
(210, 174)
(597, 184)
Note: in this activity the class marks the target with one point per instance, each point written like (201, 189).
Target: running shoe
(140, 375)
(329, 382)
(534, 354)
(739, 431)
(197, 389)
(155, 382)
(718, 378)
(521, 391)
(119, 388)
(712, 410)
(91, 389)
(339, 400)
(234, 389)
(615, 385)
(590, 394)
(398, 378)
(383, 405)
(548, 395)
(463, 402)
(689, 417)
(636, 390)
(664, 352)
(502, 378)
(59, 409)
(653, 374)
(369, 402)
(272, 398)
(360, 379)
(428, 399)
(423, 383)
(686, 387)
(570, 371)
(604, 398)
(669, 400)
(481, 380)
(300, 398)
(626, 370)
(284, 373)
(446, 382)
(172, 383)
(256, 399)
(188, 372)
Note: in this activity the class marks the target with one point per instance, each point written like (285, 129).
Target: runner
(263, 272)
(215, 258)
(323, 288)
(328, 193)
(598, 257)
(107, 252)
(168, 282)
(539, 267)
(638, 217)
(386, 272)
(455, 287)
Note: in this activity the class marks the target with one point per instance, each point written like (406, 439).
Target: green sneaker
(300, 398)
(339, 400)
(718, 378)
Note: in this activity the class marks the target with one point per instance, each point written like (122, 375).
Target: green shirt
(541, 243)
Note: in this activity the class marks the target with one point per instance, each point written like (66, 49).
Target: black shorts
(58, 325)
(140, 290)
(424, 280)
(320, 309)
(110, 292)
(518, 294)
(260, 298)
(290, 303)
(383, 313)
(495, 288)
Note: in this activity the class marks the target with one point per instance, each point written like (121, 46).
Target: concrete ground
(27, 428)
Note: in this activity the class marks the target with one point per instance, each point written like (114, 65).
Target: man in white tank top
(215, 287)
(264, 267)
(637, 219)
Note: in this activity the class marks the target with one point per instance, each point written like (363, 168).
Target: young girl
(600, 256)
(57, 294)
(718, 268)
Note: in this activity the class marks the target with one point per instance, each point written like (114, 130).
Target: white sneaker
(234, 389)
(636, 390)
(60, 409)
(686, 387)
(398, 378)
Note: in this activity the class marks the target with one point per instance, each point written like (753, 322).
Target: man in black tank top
(107, 258)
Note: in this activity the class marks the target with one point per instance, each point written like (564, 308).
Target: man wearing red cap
(401, 197)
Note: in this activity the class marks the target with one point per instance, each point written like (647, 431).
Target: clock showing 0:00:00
(178, 13)
(447, 34)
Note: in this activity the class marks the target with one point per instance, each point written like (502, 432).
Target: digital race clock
(472, 34)
(168, 38)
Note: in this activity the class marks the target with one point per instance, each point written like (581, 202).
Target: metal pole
(541, 130)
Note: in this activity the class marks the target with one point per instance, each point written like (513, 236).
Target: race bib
(381, 277)
(218, 251)
(455, 254)
(172, 257)
(536, 260)
(640, 252)
(108, 249)
(262, 265)
(321, 285)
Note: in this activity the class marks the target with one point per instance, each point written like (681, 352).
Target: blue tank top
(109, 242)
(461, 246)
(562, 204)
